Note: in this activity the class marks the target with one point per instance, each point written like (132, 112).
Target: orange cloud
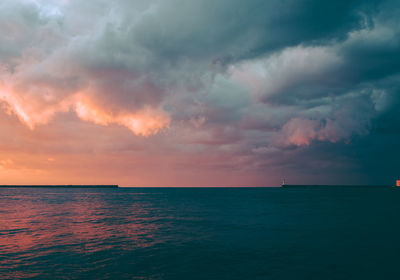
(31, 111)
(143, 122)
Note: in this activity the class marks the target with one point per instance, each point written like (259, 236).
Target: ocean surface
(205, 233)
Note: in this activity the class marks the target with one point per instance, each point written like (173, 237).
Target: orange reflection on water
(40, 223)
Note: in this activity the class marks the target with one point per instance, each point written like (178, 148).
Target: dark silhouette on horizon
(59, 186)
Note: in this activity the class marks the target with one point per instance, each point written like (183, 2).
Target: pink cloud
(299, 132)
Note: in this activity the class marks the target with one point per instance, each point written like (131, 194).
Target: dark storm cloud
(175, 41)
(237, 29)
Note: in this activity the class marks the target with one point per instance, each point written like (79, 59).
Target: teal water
(232, 233)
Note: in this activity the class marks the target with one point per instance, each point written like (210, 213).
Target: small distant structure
(397, 183)
(283, 182)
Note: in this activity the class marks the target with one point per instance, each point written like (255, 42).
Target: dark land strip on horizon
(60, 186)
(337, 186)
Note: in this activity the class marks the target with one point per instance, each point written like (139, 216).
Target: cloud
(262, 84)
(299, 132)
(144, 122)
(294, 73)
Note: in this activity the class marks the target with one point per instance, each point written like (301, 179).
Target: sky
(199, 92)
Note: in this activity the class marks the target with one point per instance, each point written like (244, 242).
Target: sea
(200, 233)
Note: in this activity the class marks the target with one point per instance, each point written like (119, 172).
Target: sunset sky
(199, 93)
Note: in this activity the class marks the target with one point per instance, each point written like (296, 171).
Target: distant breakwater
(62, 186)
(336, 186)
